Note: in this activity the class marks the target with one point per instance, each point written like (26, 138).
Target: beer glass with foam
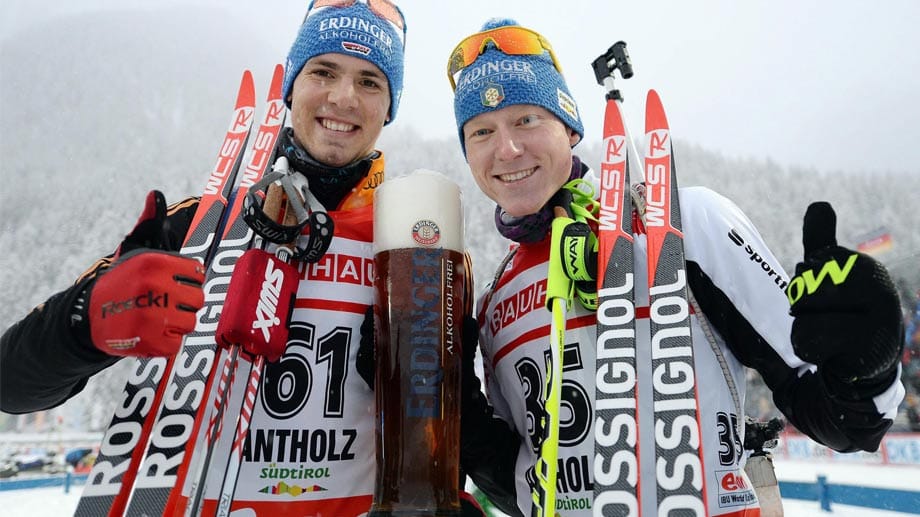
(418, 316)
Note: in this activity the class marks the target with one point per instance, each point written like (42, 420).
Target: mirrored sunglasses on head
(384, 9)
(513, 40)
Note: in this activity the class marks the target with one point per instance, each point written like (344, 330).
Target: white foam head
(421, 209)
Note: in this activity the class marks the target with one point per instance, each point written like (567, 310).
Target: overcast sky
(831, 85)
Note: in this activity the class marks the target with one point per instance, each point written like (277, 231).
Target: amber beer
(419, 280)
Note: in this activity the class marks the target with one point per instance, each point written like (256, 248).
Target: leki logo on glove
(808, 283)
(267, 308)
(150, 299)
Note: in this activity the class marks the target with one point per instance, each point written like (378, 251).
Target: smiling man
(831, 359)
(343, 81)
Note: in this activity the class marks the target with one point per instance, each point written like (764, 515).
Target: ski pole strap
(583, 206)
(307, 209)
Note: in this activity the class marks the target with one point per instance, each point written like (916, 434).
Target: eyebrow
(365, 72)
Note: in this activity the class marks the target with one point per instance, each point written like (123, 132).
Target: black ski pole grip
(621, 56)
(616, 57)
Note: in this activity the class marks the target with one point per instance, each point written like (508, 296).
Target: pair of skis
(157, 432)
(678, 484)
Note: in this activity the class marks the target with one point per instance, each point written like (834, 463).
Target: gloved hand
(846, 308)
(579, 260)
(578, 248)
(146, 301)
(364, 361)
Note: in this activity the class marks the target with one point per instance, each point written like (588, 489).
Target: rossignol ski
(111, 480)
(225, 388)
(192, 382)
(675, 431)
(616, 463)
(679, 470)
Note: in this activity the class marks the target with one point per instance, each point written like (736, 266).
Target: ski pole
(277, 207)
(559, 294)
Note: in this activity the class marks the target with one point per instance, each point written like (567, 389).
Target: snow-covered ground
(53, 502)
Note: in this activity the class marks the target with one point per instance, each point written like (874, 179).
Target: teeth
(336, 126)
(515, 176)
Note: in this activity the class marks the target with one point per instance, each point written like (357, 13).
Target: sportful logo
(756, 258)
(267, 307)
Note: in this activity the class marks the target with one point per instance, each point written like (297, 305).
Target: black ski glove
(846, 309)
(364, 361)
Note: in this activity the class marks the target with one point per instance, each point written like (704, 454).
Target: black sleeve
(48, 356)
(845, 420)
(43, 362)
(488, 445)
(488, 450)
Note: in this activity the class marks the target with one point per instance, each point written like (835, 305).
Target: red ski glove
(146, 301)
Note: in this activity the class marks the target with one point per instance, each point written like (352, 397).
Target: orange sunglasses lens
(511, 40)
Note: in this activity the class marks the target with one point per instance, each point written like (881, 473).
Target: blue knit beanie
(353, 31)
(496, 80)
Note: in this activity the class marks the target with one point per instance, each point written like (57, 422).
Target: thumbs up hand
(846, 308)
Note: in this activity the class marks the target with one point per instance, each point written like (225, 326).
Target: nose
(343, 94)
(508, 148)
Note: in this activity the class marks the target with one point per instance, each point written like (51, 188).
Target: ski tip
(655, 117)
(247, 95)
(277, 79)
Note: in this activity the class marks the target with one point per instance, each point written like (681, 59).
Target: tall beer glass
(418, 317)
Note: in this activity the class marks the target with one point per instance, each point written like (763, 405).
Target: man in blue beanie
(343, 79)
(313, 448)
(831, 360)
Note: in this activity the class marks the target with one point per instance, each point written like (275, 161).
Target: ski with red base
(616, 465)
(224, 382)
(175, 434)
(680, 480)
(110, 482)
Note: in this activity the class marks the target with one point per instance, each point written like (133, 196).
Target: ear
(573, 137)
